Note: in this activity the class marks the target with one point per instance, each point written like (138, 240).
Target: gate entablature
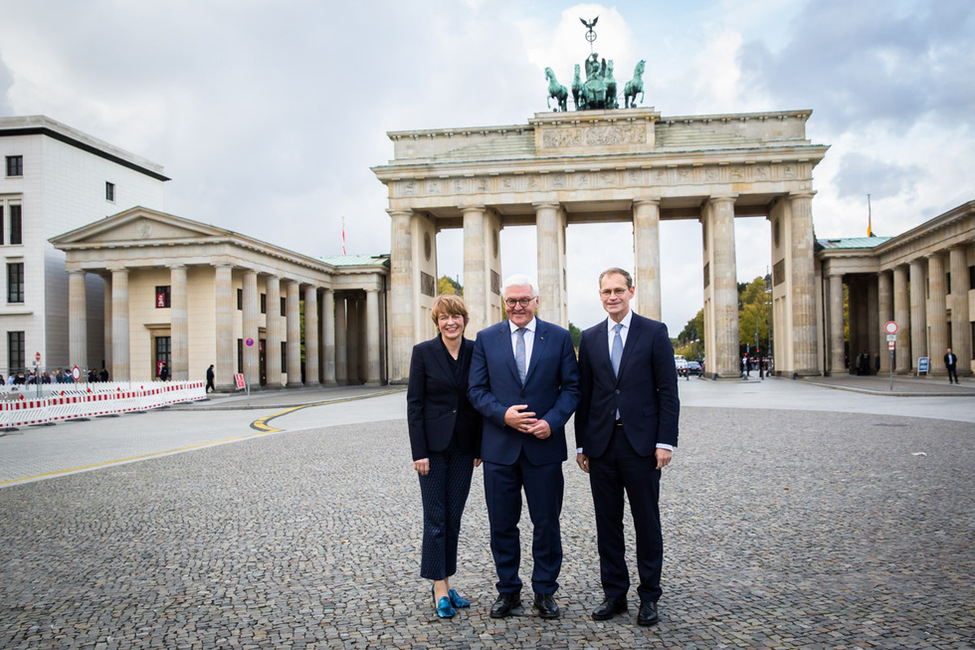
(613, 165)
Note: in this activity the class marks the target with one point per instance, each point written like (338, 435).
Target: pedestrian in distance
(210, 378)
(445, 440)
(626, 431)
(951, 364)
(525, 382)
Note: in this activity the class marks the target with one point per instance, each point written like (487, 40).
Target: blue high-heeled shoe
(457, 600)
(443, 606)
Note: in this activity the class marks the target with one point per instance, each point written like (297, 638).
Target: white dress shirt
(529, 341)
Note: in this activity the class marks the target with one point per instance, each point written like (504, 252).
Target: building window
(162, 297)
(240, 299)
(284, 356)
(263, 303)
(15, 351)
(110, 191)
(16, 223)
(15, 165)
(164, 349)
(284, 306)
(240, 356)
(1, 224)
(15, 282)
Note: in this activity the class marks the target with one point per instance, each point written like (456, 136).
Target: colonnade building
(630, 165)
(189, 295)
(923, 280)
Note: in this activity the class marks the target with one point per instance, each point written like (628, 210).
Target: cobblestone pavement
(783, 529)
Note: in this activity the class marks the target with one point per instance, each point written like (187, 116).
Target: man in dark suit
(951, 363)
(626, 431)
(525, 382)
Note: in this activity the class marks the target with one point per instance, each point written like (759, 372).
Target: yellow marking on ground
(117, 461)
(261, 424)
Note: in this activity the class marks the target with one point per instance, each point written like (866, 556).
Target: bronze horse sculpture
(634, 86)
(556, 91)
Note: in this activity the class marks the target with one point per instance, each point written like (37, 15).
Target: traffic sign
(249, 342)
(891, 338)
(890, 327)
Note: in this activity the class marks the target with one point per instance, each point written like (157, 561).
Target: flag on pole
(869, 219)
(343, 235)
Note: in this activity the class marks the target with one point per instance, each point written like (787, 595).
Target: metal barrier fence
(73, 401)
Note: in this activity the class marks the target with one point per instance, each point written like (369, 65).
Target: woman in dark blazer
(445, 437)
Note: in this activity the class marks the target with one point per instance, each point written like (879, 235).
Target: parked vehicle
(681, 364)
(694, 368)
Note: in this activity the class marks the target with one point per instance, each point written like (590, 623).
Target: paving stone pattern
(783, 529)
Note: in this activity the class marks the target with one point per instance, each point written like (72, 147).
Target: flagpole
(869, 218)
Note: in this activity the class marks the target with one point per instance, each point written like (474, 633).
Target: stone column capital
(646, 200)
(176, 266)
(729, 198)
(550, 205)
(399, 212)
(802, 194)
(468, 207)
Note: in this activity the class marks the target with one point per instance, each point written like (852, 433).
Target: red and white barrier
(92, 400)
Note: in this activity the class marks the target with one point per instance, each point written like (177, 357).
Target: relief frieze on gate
(590, 180)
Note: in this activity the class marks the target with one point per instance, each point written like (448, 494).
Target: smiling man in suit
(626, 432)
(524, 380)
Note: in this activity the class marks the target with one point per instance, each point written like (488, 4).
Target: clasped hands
(525, 421)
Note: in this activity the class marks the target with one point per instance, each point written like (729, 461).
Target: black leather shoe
(504, 604)
(648, 613)
(609, 608)
(546, 606)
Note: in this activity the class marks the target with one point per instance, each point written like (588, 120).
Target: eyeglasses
(618, 291)
(524, 302)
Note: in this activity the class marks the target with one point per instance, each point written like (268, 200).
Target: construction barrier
(93, 400)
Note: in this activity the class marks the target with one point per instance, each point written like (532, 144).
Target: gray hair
(519, 280)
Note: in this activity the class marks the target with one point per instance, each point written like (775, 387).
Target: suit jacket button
(617, 391)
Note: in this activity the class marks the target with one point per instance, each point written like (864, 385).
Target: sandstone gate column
(372, 337)
(311, 335)
(120, 325)
(960, 318)
(476, 280)
(724, 280)
(293, 314)
(252, 367)
(803, 285)
(550, 271)
(225, 366)
(342, 342)
(919, 334)
(108, 322)
(885, 313)
(646, 244)
(937, 315)
(179, 324)
(328, 337)
(837, 363)
(272, 328)
(77, 319)
(401, 300)
(902, 316)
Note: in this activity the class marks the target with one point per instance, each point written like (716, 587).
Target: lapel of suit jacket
(504, 340)
(636, 329)
(438, 352)
(541, 330)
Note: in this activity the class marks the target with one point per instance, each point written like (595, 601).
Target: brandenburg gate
(623, 165)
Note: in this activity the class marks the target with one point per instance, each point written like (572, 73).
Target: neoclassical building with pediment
(191, 294)
(631, 165)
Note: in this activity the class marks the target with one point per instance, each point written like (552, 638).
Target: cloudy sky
(268, 114)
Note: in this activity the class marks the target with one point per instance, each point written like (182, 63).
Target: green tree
(690, 341)
(753, 316)
(449, 287)
(576, 335)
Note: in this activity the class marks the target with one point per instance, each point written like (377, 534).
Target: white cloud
(268, 116)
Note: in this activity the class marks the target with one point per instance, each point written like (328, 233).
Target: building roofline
(43, 125)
